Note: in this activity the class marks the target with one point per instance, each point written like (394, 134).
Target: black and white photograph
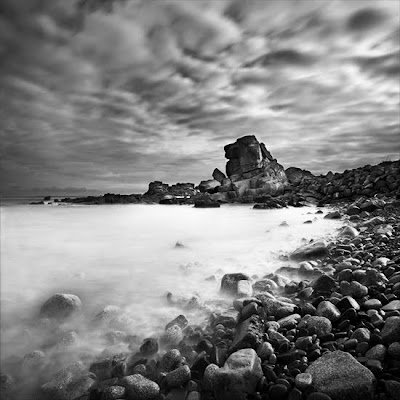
(200, 199)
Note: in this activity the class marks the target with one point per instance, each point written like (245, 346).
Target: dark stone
(249, 333)
(324, 284)
(229, 282)
(149, 347)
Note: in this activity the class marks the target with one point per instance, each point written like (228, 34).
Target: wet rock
(353, 289)
(107, 314)
(321, 326)
(341, 377)
(249, 333)
(179, 376)
(239, 376)
(244, 288)
(275, 307)
(323, 284)
(394, 350)
(172, 336)
(149, 347)
(113, 393)
(346, 303)
(362, 335)
(391, 330)
(310, 251)
(349, 231)
(265, 350)
(72, 382)
(140, 388)
(102, 369)
(393, 305)
(378, 352)
(392, 388)
(328, 310)
(229, 282)
(7, 386)
(333, 215)
(303, 380)
(171, 360)
(61, 306)
(180, 320)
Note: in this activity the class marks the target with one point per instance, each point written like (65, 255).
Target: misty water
(125, 255)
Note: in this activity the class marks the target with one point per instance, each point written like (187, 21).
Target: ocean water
(125, 255)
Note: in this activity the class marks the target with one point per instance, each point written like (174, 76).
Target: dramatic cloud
(110, 95)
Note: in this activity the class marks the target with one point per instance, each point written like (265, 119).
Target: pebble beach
(326, 328)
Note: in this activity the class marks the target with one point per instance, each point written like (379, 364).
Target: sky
(108, 95)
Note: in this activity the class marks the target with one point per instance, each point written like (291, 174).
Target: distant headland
(253, 176)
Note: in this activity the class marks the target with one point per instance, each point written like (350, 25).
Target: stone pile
(382, 179)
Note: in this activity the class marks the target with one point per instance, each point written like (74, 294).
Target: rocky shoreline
(328, 328)
(254, 176)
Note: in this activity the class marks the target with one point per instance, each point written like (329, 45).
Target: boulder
(238, 377)
(210, 186)
(229, 282)
(318, 249)
(391, 330)
(342, 377)
(71, 382)
(320, 326)
(218, 175)
(249, 334)
(140, 388)
(61, 306)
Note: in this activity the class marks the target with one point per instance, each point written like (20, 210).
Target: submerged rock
(61, 306)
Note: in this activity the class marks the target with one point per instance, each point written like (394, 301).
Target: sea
(132, 256)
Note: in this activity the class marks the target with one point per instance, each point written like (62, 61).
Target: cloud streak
(111, 95)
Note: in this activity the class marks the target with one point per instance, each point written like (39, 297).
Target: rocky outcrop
(381, 179)
(251, 172)
(157, 190)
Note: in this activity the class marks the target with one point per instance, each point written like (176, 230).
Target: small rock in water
(61, 306)
(179, 245)
(229, 282)
(172, 336)
(149, 347)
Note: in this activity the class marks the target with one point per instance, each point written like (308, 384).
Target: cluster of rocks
(251, 172)
(325, 327)
(381, 179)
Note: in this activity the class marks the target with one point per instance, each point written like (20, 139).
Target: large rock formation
(251, 172)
